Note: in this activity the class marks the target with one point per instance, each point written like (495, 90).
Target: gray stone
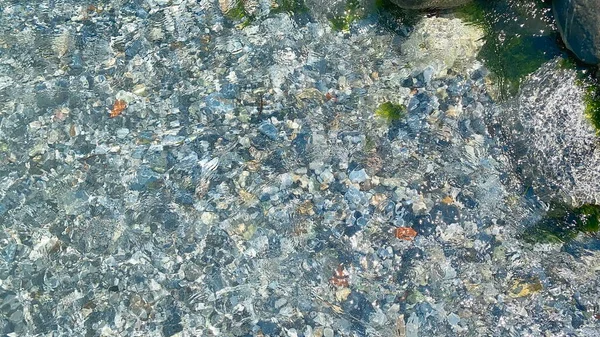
(358, 176)
(579, 24)
(122, 133)
(427, 75)
(423, 4)
(268, 130)
(355, 197)
(453, 319)
(326, 176)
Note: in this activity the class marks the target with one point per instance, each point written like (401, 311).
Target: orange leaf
(405, 233)
(119, 106)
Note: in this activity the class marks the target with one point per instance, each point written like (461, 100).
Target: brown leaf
(405, 233)
(448, 200)
(119, 106)
(340, 277)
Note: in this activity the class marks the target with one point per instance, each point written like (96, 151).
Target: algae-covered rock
(519, 37)
(552, 142)
(391, 111)
(563, 224)
(353, 11)
(423, 4)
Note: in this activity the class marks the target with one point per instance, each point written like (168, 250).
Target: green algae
(567, 63)
(592, 106)
(586, 80)
(519, 37)
(289, 6)
(238, 13)
(390, 111)
(352, 12)
(474, 13)
(562, 224)
(384, 12)
(370, 144)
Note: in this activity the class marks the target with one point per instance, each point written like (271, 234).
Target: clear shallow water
(245, 184)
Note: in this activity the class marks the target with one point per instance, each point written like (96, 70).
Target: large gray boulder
(425, 4)
(579, 24)
(552, 144)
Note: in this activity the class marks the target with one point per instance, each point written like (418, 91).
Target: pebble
(359, 176)
(208, 217)
(326, 177)
(122, 133)
(354, 197)
(453, 319)
(268, 130)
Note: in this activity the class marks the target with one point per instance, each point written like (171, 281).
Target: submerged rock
(438, 44)
(579, 24)
(423, 4)
(552, 142)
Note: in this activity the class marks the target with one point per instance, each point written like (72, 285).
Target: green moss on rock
(563, 224)
(289, 6)
(590, 83)
(568, 62)
(238, 13)
(514, 47)
(352, 12)
(474, 13)
(390, 111)
(592, 106)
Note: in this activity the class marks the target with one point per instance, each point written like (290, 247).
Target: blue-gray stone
(357, 305)
(361, 222)
(141, 13)
(184, 198)
(77, 61)
(173, 325)
(300, 142)
(427, 75)
(453, 319)
(9, 252)
(386, 253)
(268, 130)
(133, 49)
(354, 197)
(358, 176)
(269, 328)
(144, 179)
